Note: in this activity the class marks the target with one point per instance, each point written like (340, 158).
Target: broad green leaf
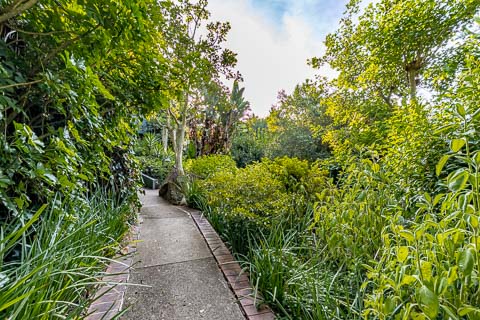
(441, 164)
(466, 262)
(476, 158)
(457, 144)
(408, 279)
(437, 198)
(402, 253)
(461, 110)
(463, 311)
(457, 180)
(473, 219)
(408, 235)
(428, 301)
(426, 270)
(389, 305)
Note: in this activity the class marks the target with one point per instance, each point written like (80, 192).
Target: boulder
(171, 189)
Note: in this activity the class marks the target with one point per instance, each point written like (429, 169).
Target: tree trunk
(165, 135)
(179, 140)
(413, 84)
(173, 133)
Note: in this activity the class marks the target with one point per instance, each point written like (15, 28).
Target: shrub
(297, 141)
(298, 176)
(243, 202)
(253, 192)
(246, 149)
(349, 218)
(205, 166)
(157, 166)
(430, 267)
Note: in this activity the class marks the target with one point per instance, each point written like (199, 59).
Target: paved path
(180, 276)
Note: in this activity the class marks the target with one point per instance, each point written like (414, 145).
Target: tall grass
(50, 260)
(287, 265)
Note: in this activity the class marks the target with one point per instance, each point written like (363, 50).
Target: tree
(196, 60)
(298, 122)
(382, 56)
(212, 128)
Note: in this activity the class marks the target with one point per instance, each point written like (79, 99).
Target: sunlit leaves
(429, 302)
(402, 253)
(466, 261)
(457, 144)
(457, 180)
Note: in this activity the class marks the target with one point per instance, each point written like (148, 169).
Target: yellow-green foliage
(253, 192)
(298, 175)
(349, 218)
(264, 189)
(429, 267)
(205, 166)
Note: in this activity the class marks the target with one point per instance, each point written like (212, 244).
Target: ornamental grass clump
(51, 259)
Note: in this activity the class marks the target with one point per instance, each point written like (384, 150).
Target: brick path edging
(109, 298)
(237, 279)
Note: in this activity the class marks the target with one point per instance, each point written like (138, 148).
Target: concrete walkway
(180, 276)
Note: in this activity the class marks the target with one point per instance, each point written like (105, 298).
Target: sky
(273, 40)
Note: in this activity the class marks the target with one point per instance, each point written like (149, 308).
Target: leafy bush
(205, 166)
(430, 267)
(285, 261)
(157, 166)
(264, 189)
(349, 218)
(253, 192)
(243, 201)
(246, 149)
(297, 141)
(298, 176)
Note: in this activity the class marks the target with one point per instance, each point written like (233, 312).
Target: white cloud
(271, 56)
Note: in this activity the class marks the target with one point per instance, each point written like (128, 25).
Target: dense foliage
(384, 224)
(356, 198)
(76, 80)
(70, 94)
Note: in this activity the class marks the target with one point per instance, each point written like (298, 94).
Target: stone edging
(237, 279)
(108, 301)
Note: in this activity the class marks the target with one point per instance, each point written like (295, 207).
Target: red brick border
(237, 279)
(108, 300)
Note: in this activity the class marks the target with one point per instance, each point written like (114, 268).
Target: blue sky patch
(319, 14)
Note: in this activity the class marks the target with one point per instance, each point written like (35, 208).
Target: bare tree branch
(20, 84)
(15, 9)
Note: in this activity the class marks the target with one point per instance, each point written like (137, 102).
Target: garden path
(179, 275)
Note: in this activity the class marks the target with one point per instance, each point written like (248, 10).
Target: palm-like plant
(221, 110)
